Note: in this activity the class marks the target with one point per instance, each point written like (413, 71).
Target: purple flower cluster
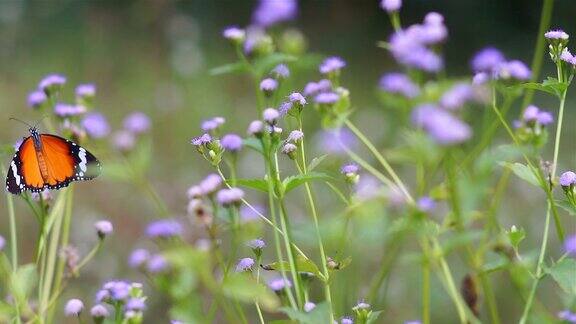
(229, 197)
(490, 63)
(64, 110)
(36, 98)
(234, 34)
(73, 307)
(244, 264)
(441, 125)
(567, 57)
(399, 83)
(278, 284)
(332, 65)
(456, 96)
(96, 125)
(51, 83)
(410, 47)
(281, 71)
(568, 179)
(271, 12)
(212, 124)
(391, 5)
(231, 142)
(567, 316)
(535, 117)
(85, 91)
(570, 245)
(164, 228)
(137, 122)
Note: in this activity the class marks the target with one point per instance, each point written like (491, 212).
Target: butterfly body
(45, 161)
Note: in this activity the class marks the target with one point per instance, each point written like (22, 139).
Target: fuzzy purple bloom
(570, 245)
(123, 140)
(103, 228)
(284, 108)
(295, 136)
(36, 99)
(487, 60)
(567, 315)
(332, 64)
(558, 34)
(244, 264)
(545, 118)
(426, 204)
(281, 71)
(157, 264)
(210, 184)
(346, 320)
(137, 122)
(480, 78)
(514, 70)
(228, 197)
(138, 258)
(413, 322)
(96, 125)
(117, 290)
(201, 140)
(391, 5)
(256, 244)
(399, 83)
(136, 304)
(231, 142)
(297, 98)
(73, 307)
(268, 85)
(2, 242)
(313, 88)
(51, 82)
(99, 311)
(568, 179)
(442, 126)
(234, 33)
(327, 98)
(456, 96)
(270, 115)
(289, 148)
(530, 113)
(249, 214)
(567, 57)
(164, 228)
(408, 48)
(335, 141)
(212, 124)
(279, 284)
(349, 168)
(67, 110)
(271, 12)
(256, 127)
(87, 90)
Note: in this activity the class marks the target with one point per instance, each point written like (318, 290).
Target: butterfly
(45, 161)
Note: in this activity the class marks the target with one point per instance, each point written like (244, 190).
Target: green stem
(13, 232)
(380, 159)
(426, 284)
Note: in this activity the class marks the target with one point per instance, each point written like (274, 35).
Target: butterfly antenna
(41, 119)
(21, 121)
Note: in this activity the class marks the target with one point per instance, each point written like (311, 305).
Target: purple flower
(231, 142)
(279, 284)
(228, 197)
(545, 118)
(567, 315)
(67, 110)
(268, 85)
(570, 245)
(2, 242)
(295, 136)
(281, 71)
(103, 228)
(409, 46)
(367, 187)
(157, 264)
(289, 149)
(391, 5)
(327, 98)
(73, 307)
(164, 228)
(567, 57)
(138, 258)
(456, 96)
(335, 141)
(285, 108)
(399, 83)
(256, 38)
(124, 140)
(87, 90)
(346, 320)
(426, 204)
(568, 179)
(210, 184)
(96, 125)
(117, 290)
(99, 311)
(332, 64)
(297, 98)
(244, 264)
(201, 140)
(36, 99)
(136, 304)
(256, 244)
(234, 33)
(480, 78)
(51, 83)
(531, 113)
(249, 214)
(413, 322)
(558, 34)
(349, 168)
(271, 12)
(256, 127)
(270, 115)
(514, 69)
(487, 60)
(313, 88)
(137, 122)
(444, 128)
(212, 124)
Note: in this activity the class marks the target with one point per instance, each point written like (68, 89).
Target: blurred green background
(155, 55)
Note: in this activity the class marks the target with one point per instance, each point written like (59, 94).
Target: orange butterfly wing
(30, 172)
(60, 164)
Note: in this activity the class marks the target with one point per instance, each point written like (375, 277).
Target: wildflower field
(285, 161)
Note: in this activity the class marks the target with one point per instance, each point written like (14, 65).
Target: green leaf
(257, 184)
(524, 172)
(567, 206)
(245, 288)
(23, 281)
(516, 236)
(254, 144)
(564, 273)
(303, 265)
(550, 85)
(266, 63)
(373, 317)
(316, 161)
(236, 67)
(320, 314)
(292, 182)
